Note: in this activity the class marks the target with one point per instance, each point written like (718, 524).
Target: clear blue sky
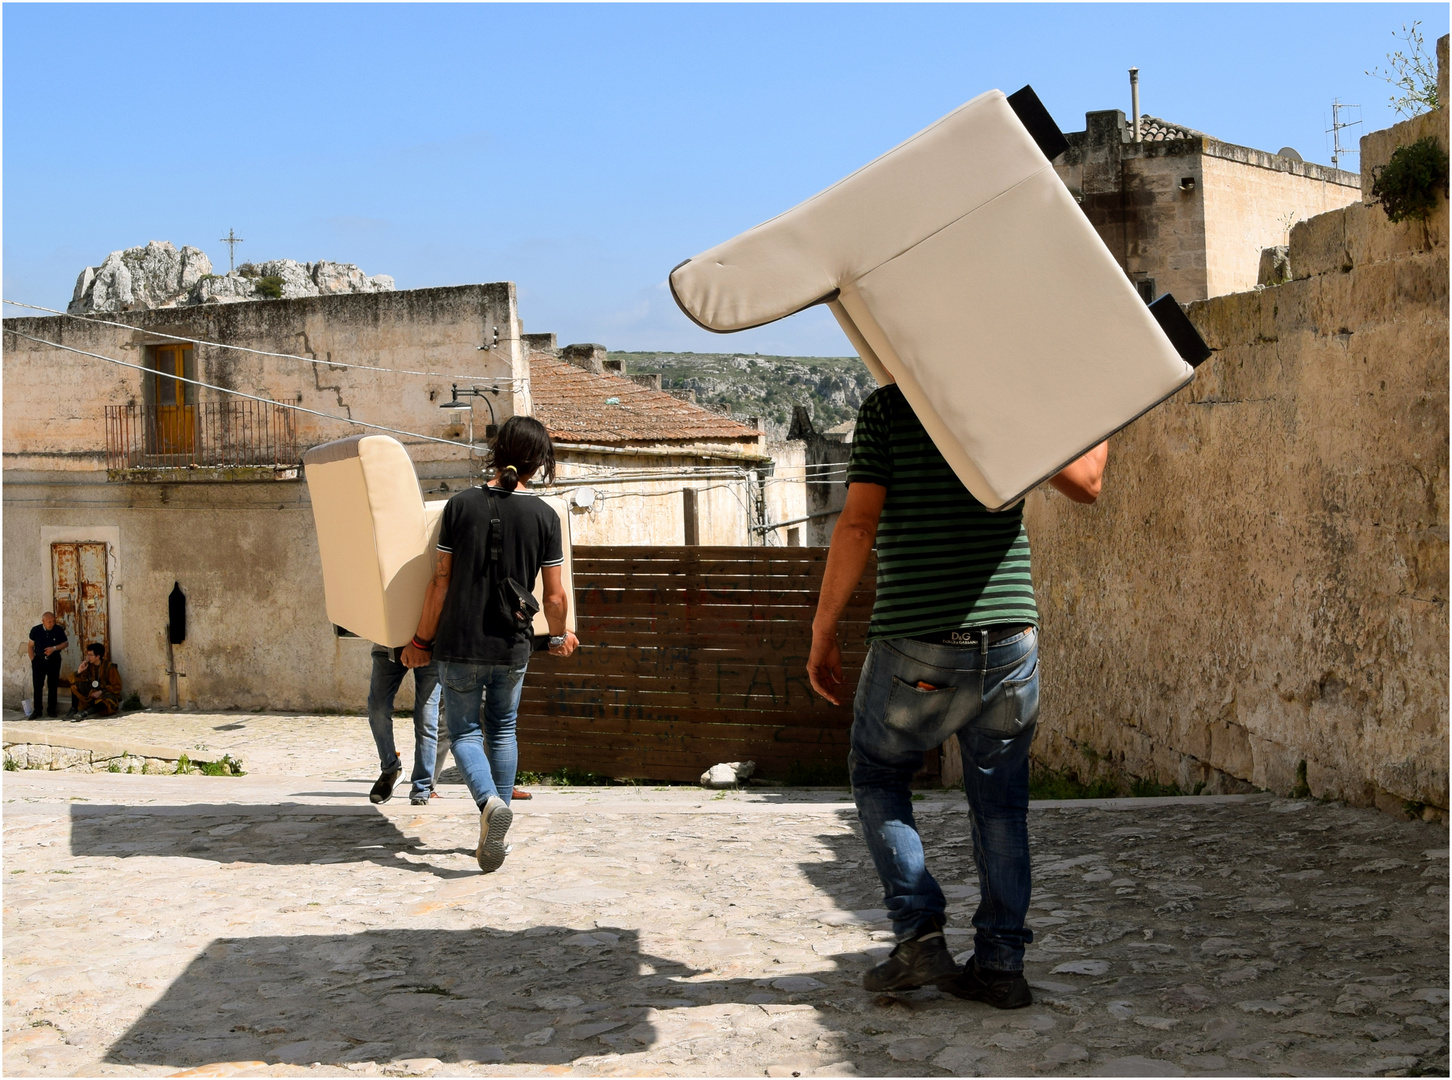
(581, 151)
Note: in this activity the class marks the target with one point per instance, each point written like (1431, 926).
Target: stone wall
(245, 554)
(1263, 582)
(1250, 205)
(56, 399)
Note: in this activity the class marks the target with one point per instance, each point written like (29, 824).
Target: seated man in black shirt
(493, 539)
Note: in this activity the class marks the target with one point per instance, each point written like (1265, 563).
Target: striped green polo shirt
(944, 562)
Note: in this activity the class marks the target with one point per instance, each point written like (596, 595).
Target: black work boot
(1001, 989)
(922, 960)
(383, 786)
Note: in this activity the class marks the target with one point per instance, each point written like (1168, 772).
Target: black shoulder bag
(515, 604)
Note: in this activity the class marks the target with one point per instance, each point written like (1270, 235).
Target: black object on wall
(176, 614)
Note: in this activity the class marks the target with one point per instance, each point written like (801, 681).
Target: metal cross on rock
(232, 240)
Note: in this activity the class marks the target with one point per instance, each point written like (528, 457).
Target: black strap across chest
(496, 530)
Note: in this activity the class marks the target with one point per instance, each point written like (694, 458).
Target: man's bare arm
(1082, 479)
(556, 608)
(428, 620)
(852, 540)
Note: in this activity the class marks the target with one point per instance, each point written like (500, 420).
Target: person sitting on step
(96, 686)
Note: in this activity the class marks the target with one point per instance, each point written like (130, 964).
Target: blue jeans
(388, 675)
(488, 758)
(989, 697)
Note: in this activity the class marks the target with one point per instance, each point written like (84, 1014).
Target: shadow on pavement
(218, 834)
(548, 995)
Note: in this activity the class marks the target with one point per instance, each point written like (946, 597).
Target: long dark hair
(521, 448)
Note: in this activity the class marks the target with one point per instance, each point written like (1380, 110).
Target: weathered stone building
(1188, 214)
(1260, 594)
(644, 466)
(121, 482)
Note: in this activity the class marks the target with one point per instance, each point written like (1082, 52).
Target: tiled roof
(578, 406)
(1153, 129)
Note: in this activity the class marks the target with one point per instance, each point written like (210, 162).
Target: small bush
(183, 765)
(1152, 789)
(1407, 185)
(113, 765)
(269, 287)
(247, 270)
(1300, 789)
(224, 766)
(563, 777)
(11, 765)
(1048, 784)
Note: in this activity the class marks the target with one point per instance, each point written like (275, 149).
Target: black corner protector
(1180, 330)
(1032, 114)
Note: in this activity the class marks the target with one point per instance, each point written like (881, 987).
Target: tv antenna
(232, 240)
(1337, 125)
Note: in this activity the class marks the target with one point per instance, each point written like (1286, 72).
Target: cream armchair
(377, 537)
(961, 268)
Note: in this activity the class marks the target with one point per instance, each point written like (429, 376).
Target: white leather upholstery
(960, 267)
(377, 537)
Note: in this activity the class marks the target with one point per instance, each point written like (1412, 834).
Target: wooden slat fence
(691, 656)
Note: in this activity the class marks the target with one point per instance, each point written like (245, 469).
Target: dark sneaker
(923, 960)
(383, 787)
(1001, 989)
(422, 800)
(494, 822)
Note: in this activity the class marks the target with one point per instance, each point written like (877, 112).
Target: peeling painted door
(79, 573)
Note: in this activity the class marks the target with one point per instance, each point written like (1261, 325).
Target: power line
(238, 393)
(263, 352)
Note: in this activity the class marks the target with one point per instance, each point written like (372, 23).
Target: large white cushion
(377, 537)
(960, 267)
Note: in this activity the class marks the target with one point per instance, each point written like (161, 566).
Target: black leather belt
(972, 637)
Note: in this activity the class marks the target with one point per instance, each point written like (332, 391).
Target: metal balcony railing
(214, 434)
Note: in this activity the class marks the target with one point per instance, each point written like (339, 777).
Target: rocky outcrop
(157, 275)
(160, 276)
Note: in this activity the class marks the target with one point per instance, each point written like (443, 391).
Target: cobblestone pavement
(278, 924)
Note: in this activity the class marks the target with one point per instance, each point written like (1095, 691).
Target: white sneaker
(494, 822)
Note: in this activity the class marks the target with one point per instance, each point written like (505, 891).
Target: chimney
(590, 357)
(1134, 99)
(540, 344)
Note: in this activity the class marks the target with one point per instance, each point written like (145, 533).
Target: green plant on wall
(1407, 185)
(1413, 73)
(269, 287)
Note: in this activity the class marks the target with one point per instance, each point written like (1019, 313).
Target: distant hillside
(832, 387)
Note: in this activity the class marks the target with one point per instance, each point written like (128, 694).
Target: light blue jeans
(988, 696)
(387, 677)
(488, 758)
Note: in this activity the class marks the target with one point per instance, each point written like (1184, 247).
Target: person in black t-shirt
(47, 642)
(492, 538)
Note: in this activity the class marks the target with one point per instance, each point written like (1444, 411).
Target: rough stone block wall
(1264, 580)
(1249, 207)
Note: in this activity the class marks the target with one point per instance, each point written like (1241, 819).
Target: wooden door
(79, 573)
(176, 421)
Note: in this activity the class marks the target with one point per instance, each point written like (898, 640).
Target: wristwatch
(557, 640)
